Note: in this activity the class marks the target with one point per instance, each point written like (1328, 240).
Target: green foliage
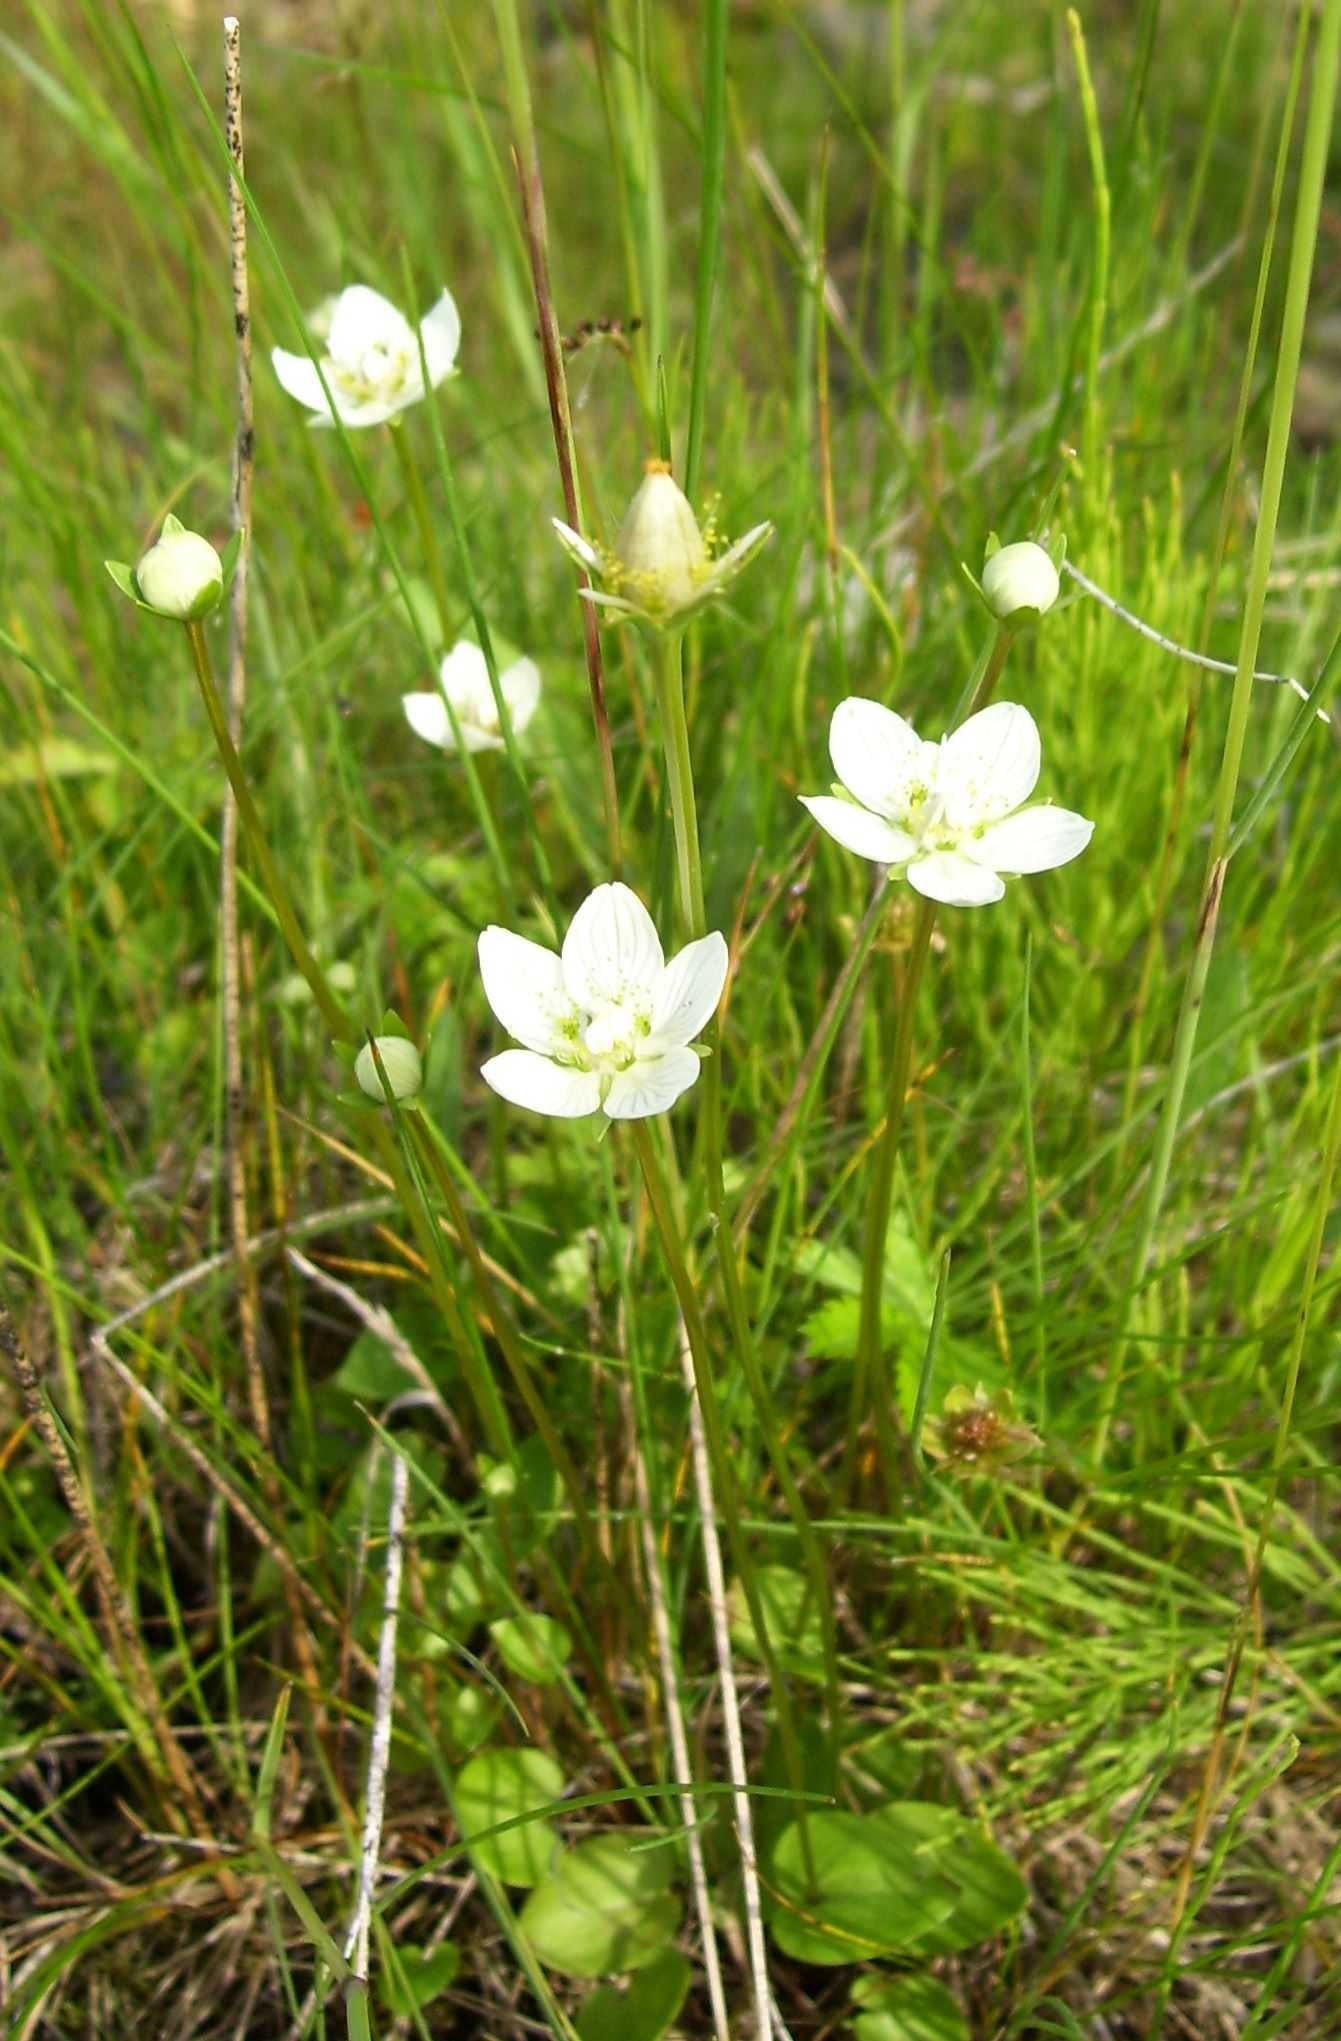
(646, 2010)
(606, 1905)
(906, 2009)
(500, 1786)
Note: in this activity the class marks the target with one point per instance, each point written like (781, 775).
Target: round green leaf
(646, 2011)
(500, 1785)
(988, 1890)
(427, 1974)
(794, 1626)
(534, 1647)
(868, 1896)
(906, 2009)
(604, 1907)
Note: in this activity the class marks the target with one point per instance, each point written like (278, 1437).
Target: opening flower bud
(182, 576)
(659, 541)
(402, 1063)
(1020, 577)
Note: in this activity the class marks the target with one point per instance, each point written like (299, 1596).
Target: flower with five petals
(465, 684)
(371, 360)
(606, 1024)
(950, 816)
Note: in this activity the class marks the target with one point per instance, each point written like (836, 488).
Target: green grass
(1069, 1653)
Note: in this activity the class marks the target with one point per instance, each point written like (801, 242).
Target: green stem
(1303, 243)
(423, 517)
(680, 780)
(869, 1385)
(723, 1473)
(713, 159)
(503, 1328)
(332, 1012)
(684, 815)
(1099, 275)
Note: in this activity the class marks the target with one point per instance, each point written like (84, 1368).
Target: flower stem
(414, 489)
(332, 1012)
(870, 1387)
(689, 862)
(686, 1294)
(680, 778)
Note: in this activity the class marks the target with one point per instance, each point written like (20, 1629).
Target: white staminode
(660, 569)
(1020, 577)
(606, 1024)
(465, 684)
(952, 814)
(371, 361)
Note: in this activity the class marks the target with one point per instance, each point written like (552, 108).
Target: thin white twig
(735, 1742)
(1183, 652)
(679, 1744)
(379, 1750)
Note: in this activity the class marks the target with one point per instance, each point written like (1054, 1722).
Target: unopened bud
(400, 1060)
(182, 576)
(1020, 577)
(660, 542)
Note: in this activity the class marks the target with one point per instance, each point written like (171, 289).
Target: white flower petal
(375, 411)
(543, 1087)
(953, 880)
(611, 951)
(689, 989)
(858, 829)
(651, 1085)
(1034, 840)
(524, 985)
(440, 331)
(362, 320)
(427, 716)
(465, 676)
(576, 546)
(875, 754)
(298, 375)
(990, 764)
(520, 685)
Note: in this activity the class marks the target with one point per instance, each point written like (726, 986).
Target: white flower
(951, 814)
(609, 1022)
(660, 569)
(371, 363)
(182, 576)
(1020, 577)
(402, 1063)
(465, 683)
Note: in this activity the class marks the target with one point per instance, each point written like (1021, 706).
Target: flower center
(380, 371)
(611, 1039)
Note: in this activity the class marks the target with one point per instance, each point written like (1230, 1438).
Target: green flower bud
(1020, 577)
(182, 576)
(402, 1063)
(660, 541)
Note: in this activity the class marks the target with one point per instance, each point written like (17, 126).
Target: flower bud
(400, 1060)
(182, 576)
(1020, 577)
(659, 541)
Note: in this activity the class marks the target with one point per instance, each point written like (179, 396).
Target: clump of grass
(451, 1560)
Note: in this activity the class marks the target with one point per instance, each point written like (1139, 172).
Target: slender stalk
(1303, 243)
(331, 1010)
(679, 768)
(414, 489)
(532, 194)
(235, 1103)
(869, 1386)
(1098, 297)
(500, 1319)
(723, 1473)
(712, 157)
(680, 780)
